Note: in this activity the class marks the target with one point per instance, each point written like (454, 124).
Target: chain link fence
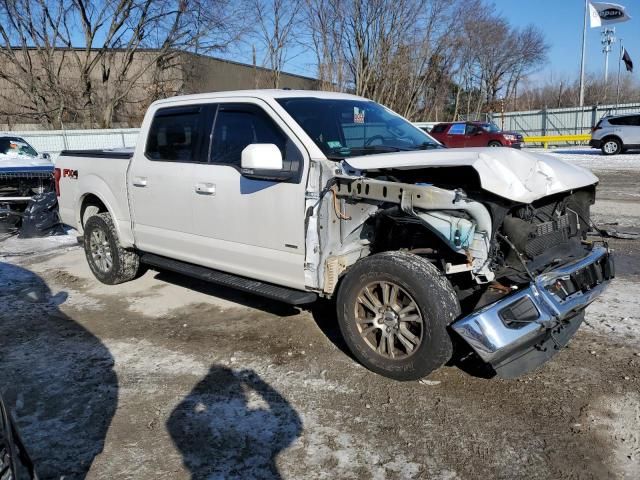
(559, 121)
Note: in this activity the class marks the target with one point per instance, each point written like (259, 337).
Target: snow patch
(617, 312)
(593, 159)
(14, 246)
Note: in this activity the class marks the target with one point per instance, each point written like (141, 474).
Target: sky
(561, 22)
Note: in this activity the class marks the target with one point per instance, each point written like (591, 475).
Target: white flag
(608, 13)
(594, 17)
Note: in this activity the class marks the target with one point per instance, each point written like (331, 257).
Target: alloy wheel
(389, 320)
(100, 251)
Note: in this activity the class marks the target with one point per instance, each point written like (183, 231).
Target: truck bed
(95, 173)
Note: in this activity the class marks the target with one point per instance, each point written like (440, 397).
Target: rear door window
(176, 135)
(626, 120)
(439, 128)
(471, 129)
(457, 129)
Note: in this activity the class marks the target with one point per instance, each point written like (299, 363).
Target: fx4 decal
(69, 173)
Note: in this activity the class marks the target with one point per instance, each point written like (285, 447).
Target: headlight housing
(511, 138)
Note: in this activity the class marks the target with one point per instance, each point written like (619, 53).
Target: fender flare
(94, 185)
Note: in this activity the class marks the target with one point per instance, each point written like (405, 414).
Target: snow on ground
(593, 159)
(621, 215)
(15, 246)
(617, 312)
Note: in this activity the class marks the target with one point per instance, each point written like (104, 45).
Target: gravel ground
(166, 377)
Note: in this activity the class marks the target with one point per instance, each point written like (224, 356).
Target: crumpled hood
(513, 174)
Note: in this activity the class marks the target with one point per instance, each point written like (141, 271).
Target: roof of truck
(264, 94)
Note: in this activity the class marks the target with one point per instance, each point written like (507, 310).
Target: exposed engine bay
(488, 246)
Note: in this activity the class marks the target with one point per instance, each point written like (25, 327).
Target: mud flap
(532, 357)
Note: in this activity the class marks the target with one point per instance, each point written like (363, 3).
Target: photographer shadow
(233, 425)
(56, 377)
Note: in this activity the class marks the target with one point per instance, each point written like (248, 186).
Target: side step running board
(268, 290)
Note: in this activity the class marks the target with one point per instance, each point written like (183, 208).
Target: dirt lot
(165, 377)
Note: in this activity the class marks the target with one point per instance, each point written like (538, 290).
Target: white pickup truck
(479, 254)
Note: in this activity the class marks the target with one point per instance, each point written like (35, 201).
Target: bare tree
(426, 59)
(396, 53)
(31, 67)
(501, 54)
(276, 25)
(325, 28)
(122, 42)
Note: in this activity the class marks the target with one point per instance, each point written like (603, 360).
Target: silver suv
(616, 134)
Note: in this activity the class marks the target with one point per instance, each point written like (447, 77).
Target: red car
(475, 134)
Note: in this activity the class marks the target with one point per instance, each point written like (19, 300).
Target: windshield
(347, 128)
(490, 127)
(14, 146)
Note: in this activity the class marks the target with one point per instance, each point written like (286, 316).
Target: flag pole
(584, 47)
(618, 82)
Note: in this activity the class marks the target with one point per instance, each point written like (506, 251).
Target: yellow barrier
(547, 139)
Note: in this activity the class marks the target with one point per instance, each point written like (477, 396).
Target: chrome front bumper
(529, 316)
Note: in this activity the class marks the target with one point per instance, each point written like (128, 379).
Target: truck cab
(297, 195)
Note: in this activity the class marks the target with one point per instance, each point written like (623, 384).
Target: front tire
(495, 143)
(612, 146)
(108, 261)
(393, 312)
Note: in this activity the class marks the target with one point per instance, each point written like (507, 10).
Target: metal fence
(556, 121)
(559, 121)
(54, 141)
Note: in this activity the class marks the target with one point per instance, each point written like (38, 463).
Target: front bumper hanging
(523, 330)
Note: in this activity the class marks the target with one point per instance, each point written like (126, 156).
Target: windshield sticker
(358, 115)
(334, 144)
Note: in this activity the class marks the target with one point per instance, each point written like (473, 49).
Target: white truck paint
(324, 180)
(514, 174)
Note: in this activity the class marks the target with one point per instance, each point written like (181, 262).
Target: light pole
(608, 39)
(584, 47)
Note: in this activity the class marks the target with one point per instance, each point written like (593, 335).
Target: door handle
(206, 188)
(140, 181)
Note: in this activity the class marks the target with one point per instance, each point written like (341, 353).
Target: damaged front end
(19, 186)
(524, 272)
(460, 223)
(522, 330)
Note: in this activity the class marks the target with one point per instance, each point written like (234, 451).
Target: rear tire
(108, 261)
(495, 143)
(611, 146)
(393, 311)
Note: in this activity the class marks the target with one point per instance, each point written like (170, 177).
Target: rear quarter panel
(106, 178)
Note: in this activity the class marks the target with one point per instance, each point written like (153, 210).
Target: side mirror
(263, 161)
(45, 156)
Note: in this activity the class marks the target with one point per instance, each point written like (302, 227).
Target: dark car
(475, 134)
(15, 463)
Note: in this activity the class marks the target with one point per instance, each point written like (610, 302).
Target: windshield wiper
(343, 153)
(368, 149)
(425, 146)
